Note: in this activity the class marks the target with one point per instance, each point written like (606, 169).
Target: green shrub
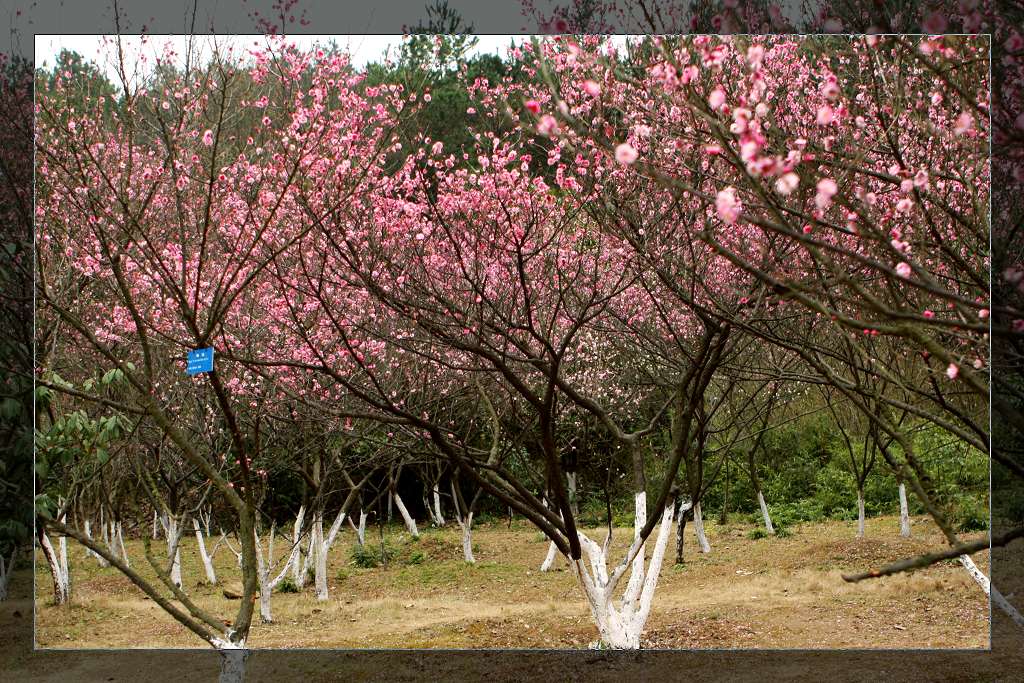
(287, 585)
(757, 533)
(370, 556)
(416, 558)
(970, 514)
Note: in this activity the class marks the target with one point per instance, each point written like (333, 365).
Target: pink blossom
(717, 98)
(903, 269)
(728, 205)
(625, 153)
(532, 106)
(547, 126)
(929, 314)
(826, 190)
(208, 138)
(825, 115)
(964, 123)
(591, 88)
(952, 371)
(983, 314)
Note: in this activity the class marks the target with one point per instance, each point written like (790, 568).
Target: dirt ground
(767, 593)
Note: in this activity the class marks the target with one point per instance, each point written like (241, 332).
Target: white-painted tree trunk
(262, 576)
(172, 532)
(904, 513)
(467, 538)
(110, 535)
(698, 526)
(437, 507)
(58, 563)
(361, 531)
(6, 567)
(991, 590)
(860, 513)
(90, 552)
(620, 626)
(294, 564)
(232, 662)
(410, 523)
(120, 543)
(156, 519)
(104, 535)
(769, 529)
(335, 528)
(636, 575)
(319, 551)
(549, 559)
(307, 561)
(211, 575)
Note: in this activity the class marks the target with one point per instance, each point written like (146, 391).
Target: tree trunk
(5, 573)
(232, 665)
(156, 519)
(990, 590)
(684, 507)
(467, 538)
(620, 627)
(294, 564)
(211, 575)
(698, 526)
(58, 569)
(573, 505)
(549, 559)
(361, 531)
(335, 528)
(91, 553)
(860, 513)
(723, 517)
(318, 551)
(172, 532)
(904, 512)
(769, 529)
(410, 523)
(307, 558)
(120, 542)
(262, 576)
(437, 506)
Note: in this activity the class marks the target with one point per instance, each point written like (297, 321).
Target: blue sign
(199, 361)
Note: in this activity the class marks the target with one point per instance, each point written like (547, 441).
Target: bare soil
(766, 593)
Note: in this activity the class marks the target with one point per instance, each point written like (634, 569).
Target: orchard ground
(747, 593)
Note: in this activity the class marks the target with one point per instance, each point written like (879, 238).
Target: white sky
(363, 49)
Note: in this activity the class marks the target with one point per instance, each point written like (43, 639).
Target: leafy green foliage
(287, 585)
(370, 556)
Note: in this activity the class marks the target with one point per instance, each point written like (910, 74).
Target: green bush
(757, 533)
(416, 558)
(287, 585)
(970, 514)
(371, 556)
